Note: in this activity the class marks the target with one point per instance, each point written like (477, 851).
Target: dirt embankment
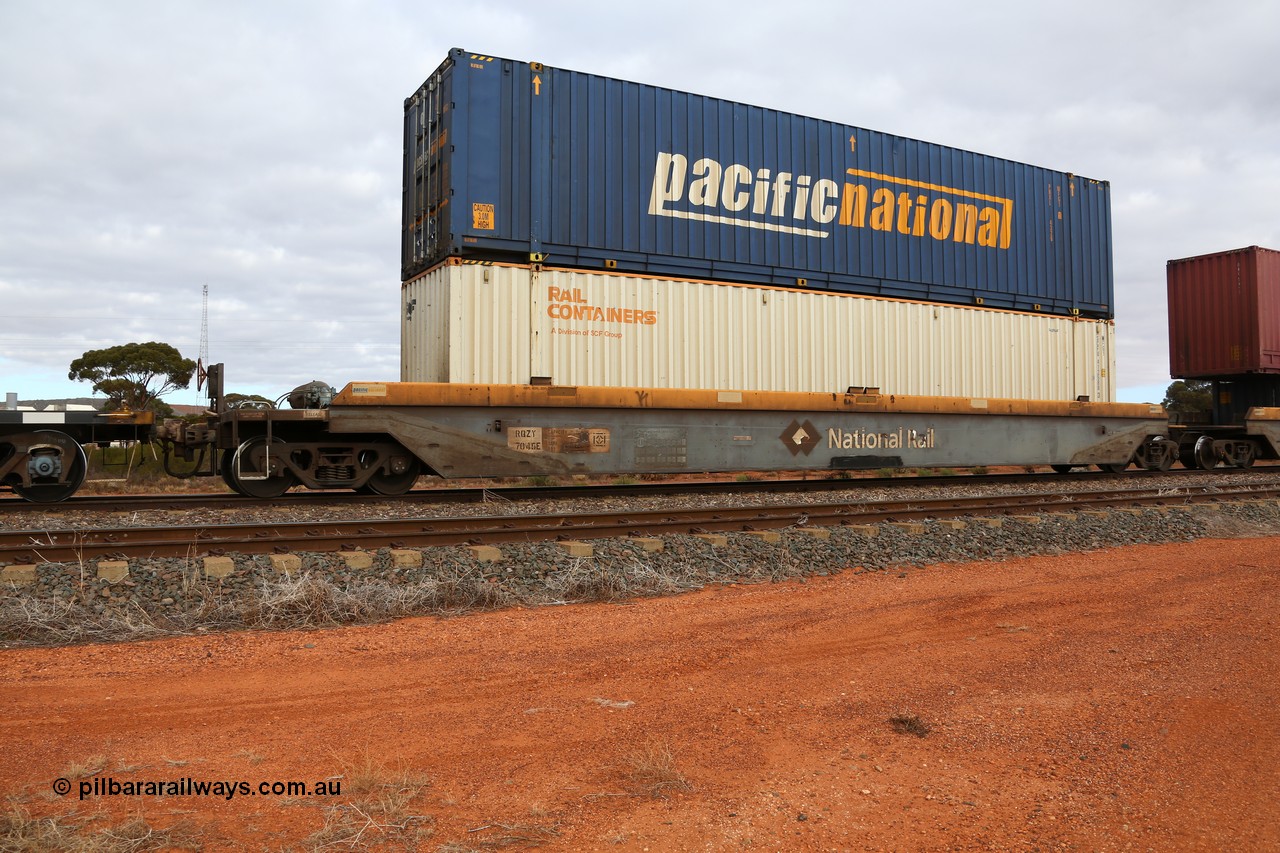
(1122, 699)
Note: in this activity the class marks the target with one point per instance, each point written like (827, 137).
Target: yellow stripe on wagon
(566, 396)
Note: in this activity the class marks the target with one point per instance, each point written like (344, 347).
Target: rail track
(184, 501)
(72, 545)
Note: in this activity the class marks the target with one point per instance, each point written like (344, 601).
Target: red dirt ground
(1126, 699)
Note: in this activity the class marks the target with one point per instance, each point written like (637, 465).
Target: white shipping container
(478, 323)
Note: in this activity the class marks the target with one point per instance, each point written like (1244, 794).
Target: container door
(428, 145)
(1105, 337)
(539, 330)
(1267, 269)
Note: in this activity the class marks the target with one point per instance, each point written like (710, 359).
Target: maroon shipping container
(1224, 314)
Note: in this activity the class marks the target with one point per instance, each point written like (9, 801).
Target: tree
(1192, 396)
(133, 376)
(247, 401)
(161, 408)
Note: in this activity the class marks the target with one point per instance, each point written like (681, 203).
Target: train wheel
(1204, 453)
(224, 468)
(1113, 467)
(1063, 469)
(41, 462)
(1187, 457)
(256, 469)
(382, 483)
(394, 484)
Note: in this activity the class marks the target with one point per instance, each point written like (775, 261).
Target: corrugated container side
(424, 329)
(505, 159)
(508, 324)
(1224, 313)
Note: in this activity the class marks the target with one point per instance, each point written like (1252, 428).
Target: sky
(148, 149)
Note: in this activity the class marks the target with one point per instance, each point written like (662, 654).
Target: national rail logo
(804, 437)
(865, 439)
(800, 437)
(788, 203)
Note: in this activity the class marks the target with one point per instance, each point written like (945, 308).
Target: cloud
(151, 148)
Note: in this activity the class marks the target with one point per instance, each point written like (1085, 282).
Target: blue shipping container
(514, 160)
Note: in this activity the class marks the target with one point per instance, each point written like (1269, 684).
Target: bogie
(1157, 454)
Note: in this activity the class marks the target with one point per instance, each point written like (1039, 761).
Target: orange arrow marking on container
(537, 85)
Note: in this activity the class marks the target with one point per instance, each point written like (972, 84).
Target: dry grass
(22, 833)
(305, 601)
(83, 769)
(375, 810)
(250, 756)
(377, 787)
(500, 835)
(594, 580)
(27, 620)
(313, 600)
(309, 601)
(909, 724)
(652, 771)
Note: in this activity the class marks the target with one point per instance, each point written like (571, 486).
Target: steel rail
(192, 541)
(210, 500)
